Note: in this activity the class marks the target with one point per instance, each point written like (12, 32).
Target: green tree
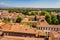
(54, 19)
(34, 13)
(48, 18)
(6, 20)
(32, 25)
(58, 17)
(43, 12)
(18, 20)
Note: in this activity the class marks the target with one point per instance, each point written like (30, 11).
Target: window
(57, 29)
(43, 28)
(0, 28)
(4, 18)
(26, 29)
(42, 20)
(39, 28)
(54, 29)
(5, 34)
(51, 28)
(46, 28)
(32, 36)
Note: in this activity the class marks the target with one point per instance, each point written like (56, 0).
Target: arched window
(42, 20)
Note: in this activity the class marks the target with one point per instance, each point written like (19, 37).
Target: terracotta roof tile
(18, 28)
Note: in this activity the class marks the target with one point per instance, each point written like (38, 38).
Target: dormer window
(42, 20)
(26, 29)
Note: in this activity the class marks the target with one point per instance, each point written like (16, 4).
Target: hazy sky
(30, 3)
